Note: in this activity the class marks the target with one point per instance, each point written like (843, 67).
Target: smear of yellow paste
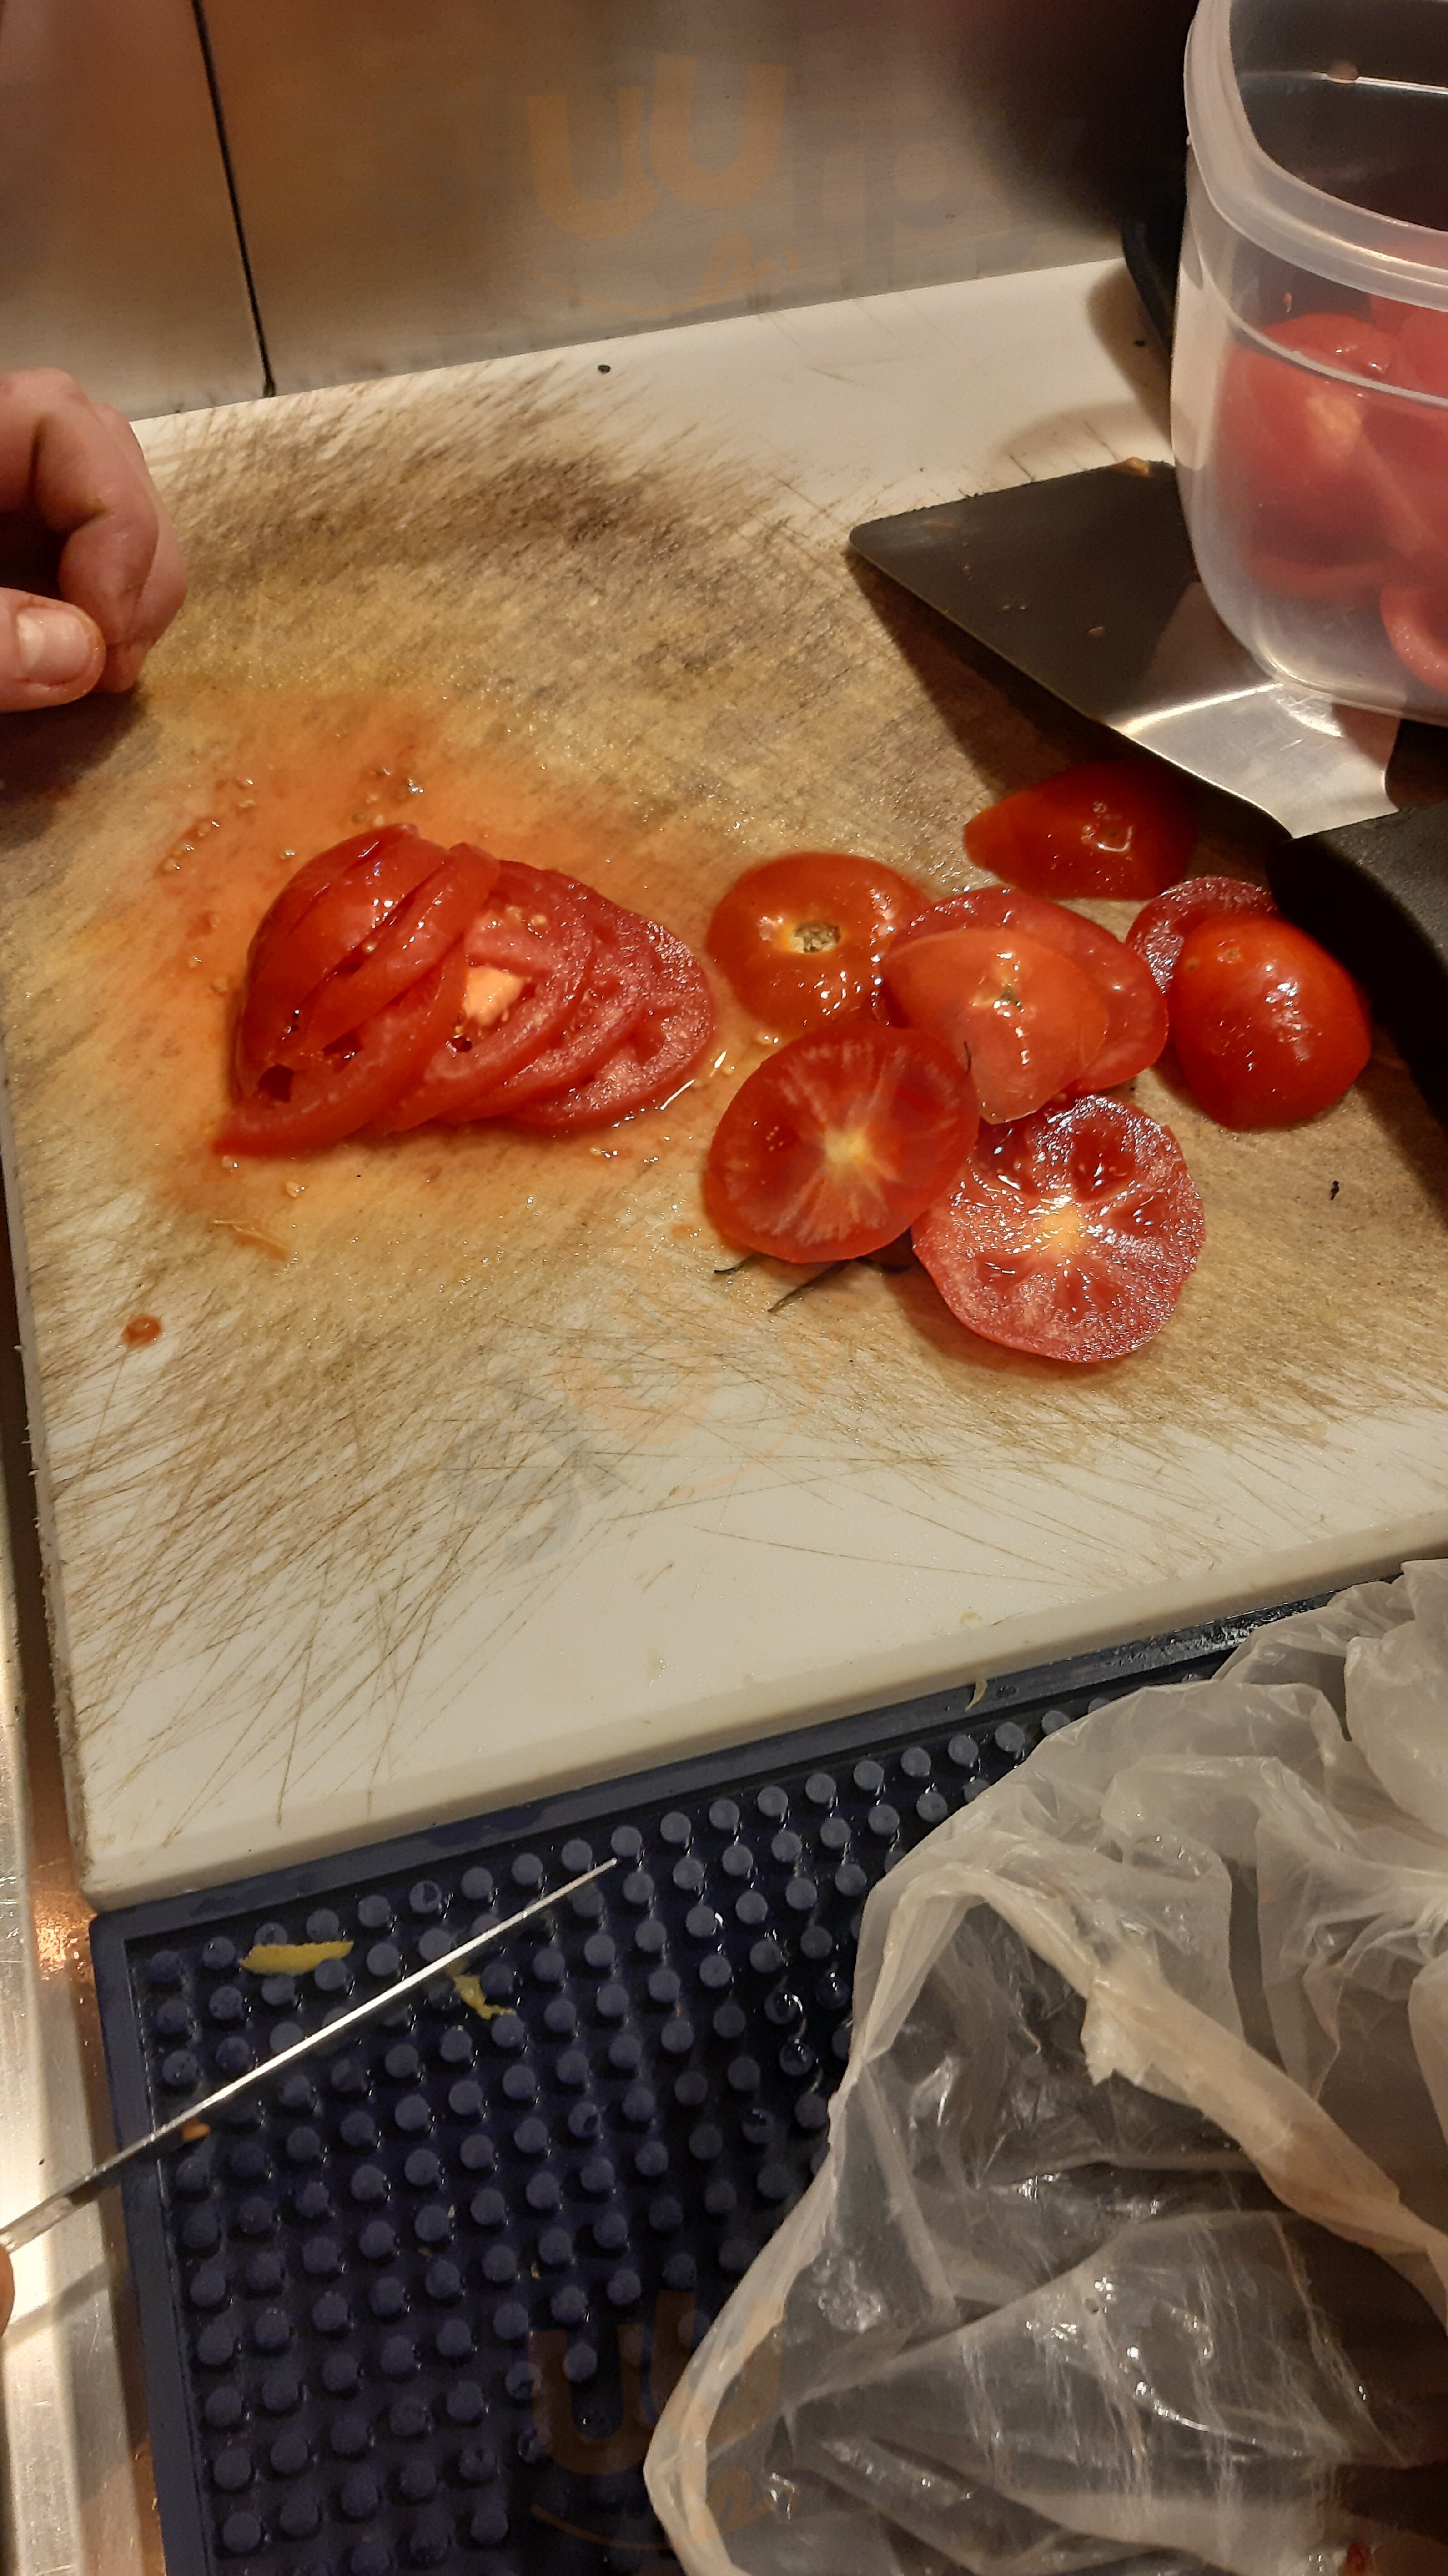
(292, 1958)
(470, 1988)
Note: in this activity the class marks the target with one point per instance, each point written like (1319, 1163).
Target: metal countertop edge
(75, 2485)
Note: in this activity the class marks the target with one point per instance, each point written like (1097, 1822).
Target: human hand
(80, 519)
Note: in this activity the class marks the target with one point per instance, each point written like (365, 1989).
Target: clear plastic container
(1310, 376)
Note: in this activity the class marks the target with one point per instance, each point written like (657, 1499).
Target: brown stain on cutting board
(448, 1391)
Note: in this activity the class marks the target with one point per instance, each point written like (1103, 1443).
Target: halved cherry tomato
(1137, 1025)
(295, 950)
(833, 1146)
(1110, 827)
(1292, 440)
(653, 1061)
(608, 1004)
(297, 1111)
(1269, 1029)
(1157, 933)
(528, 952)
(1070, 1234)
(1024, 1019)
(801, 938)
(410, 943)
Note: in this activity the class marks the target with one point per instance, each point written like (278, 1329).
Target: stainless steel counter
(75, 2479)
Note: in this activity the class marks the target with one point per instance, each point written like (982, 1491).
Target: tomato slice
(301, 891)
(610, 1002)
(1024, 1019)
(1292, 439)
(528, 952)
(293, 953)
(410, 943)
(1109, 827)
(801, 938)
(299, 1110)
(1269, 1029)
(1070, 1234)
(653, 1061)
(836, 1144)
(1157, 933)
(1136, 1028)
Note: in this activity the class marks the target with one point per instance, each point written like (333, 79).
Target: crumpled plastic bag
(1130, 2249)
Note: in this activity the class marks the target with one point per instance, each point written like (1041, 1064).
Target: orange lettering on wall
(589, 218)
(761, 130)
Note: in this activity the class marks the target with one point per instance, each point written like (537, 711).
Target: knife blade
(198, 2117)
(1087, 584)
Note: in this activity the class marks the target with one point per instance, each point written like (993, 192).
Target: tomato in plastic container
(1310, 367)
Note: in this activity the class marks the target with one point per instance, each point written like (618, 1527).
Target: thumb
(49, 652)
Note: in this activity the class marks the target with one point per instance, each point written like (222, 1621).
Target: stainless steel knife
(1087, 584)
(196, 2119)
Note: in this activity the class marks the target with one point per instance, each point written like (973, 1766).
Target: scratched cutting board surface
(457, 1468)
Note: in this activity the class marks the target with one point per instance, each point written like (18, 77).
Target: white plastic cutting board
(456, 1471)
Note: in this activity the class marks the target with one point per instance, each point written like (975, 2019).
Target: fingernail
(55, 645)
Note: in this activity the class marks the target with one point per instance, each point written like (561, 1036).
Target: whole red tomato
(1268, 1028)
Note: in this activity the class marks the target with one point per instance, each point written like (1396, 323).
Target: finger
(7, 2289)
(165, 586)
(164, 592)
(60, 458)
(50, 652)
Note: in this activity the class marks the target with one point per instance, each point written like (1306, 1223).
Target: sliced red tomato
(293, 953)
(653, 1061)
(801, 938)
(1293, 440)
(1136, 1025)
(410, 943)
(301, 891)
(1023, 1019)
(528, 952)
(609, 1004)
(1268, 1028)
(1157, 933)
(1070, 1234)
(834, 1146)
(299, 1110)
(1416, 623)
(1109, 827)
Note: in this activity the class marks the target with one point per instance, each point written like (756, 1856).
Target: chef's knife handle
(1376, 894)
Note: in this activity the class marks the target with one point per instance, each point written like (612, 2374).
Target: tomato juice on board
(166, 961)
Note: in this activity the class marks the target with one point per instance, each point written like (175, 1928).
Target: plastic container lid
(1285, 215)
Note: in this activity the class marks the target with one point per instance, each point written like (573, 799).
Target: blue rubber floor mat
(419, 2305)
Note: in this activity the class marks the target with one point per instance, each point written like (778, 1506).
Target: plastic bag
(1129, 2250)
